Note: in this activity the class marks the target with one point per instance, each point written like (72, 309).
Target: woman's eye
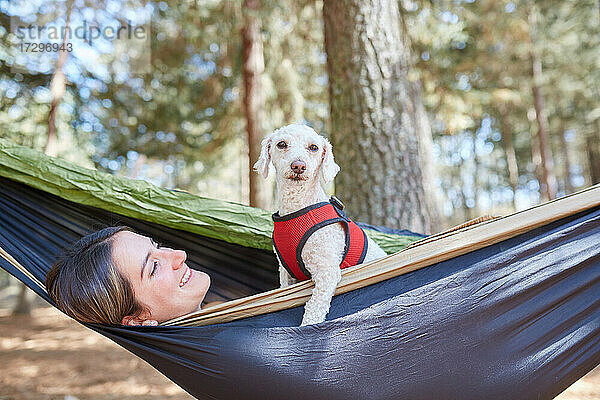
(154, 267)
(282, 145)
(313, 147)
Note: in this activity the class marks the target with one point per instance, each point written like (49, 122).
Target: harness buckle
(336, 202)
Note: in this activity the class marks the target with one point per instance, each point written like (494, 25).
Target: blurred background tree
(475, 61)
(374, 126)
(178, 118)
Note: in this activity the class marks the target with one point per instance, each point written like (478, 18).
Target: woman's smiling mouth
(186, 276)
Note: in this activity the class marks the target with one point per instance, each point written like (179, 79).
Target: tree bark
(548, 184)
(253, 68)
(373, 117)
(427, 164)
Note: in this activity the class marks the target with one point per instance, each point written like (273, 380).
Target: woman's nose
(178, 257)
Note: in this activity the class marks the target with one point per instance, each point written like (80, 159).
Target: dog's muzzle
(298, 167)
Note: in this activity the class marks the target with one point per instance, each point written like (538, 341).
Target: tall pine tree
(373, 114)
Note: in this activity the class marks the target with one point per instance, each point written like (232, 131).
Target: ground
(50, 357)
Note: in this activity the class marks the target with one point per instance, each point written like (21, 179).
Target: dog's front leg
(285, 279)
(317, 307)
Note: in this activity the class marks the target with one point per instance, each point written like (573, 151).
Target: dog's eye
(282, 145)
(313, 147)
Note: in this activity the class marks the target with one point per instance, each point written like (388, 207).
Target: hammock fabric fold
(513, 316)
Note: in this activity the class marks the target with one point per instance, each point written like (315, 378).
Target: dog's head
(299, 155)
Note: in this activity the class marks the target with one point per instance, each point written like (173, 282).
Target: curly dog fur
(302, 158)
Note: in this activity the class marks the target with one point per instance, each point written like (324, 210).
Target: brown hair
(86, 285)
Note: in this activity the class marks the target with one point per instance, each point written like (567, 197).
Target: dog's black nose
(298, 167)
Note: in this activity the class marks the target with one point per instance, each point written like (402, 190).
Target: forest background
(509, 90)
(181, 123)
(503, 96)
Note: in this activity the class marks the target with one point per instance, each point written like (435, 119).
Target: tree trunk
(474, 211)
(593, 153)
(58, 86)
(24, 301)
(253, 67)
(536, 157)
(57, 90)
(373, 126)
(564, 147)
(427, 164)
(511, 157)
(548, 184)
(424, 137)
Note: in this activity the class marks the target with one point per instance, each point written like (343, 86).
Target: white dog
(301, 158)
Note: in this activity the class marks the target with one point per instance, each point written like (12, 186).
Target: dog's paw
(311, 320)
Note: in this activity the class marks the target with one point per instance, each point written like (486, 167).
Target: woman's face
(160, 278)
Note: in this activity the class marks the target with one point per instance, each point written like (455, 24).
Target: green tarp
(227, 221)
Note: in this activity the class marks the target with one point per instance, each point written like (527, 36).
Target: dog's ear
(329, 168)
(262, 164)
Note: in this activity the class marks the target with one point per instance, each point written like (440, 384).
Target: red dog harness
(293, 230)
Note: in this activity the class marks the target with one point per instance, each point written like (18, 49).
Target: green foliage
(233, 223)
(180, 124)
(474, 61)
(185, 114)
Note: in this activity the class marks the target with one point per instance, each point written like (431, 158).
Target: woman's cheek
(205, 281)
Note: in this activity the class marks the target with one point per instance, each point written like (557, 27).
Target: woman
(115, 276)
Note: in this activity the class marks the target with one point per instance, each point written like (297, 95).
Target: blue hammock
(514, 318)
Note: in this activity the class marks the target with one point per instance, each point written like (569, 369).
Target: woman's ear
(329, 168)
(262, 164)
(140, 320)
